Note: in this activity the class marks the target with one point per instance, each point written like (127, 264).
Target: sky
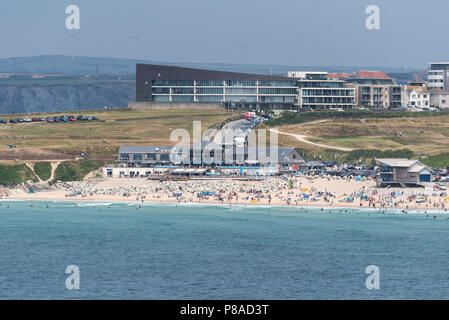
(283, 32)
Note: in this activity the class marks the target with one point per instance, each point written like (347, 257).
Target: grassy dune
(98, 139)
(427, 137)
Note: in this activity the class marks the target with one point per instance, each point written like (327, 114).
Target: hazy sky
(285, 32)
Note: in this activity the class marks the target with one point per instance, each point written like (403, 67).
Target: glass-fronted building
(167, 84)
(317, 92)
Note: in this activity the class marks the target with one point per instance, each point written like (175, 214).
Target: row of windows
(182, 90)
(277, 99)
(322, 92)
(209, 90)
(439, 67)
(342, 106)
(327, 100)
(186, 83)
(228, 98)
(277, 91)
(182, 98)
(148, 156)
(210, 98)
(220, 83)
(319, 84)
(161, 98)
(161, 90)
(190, 90)
(435, 73)
(277, 83)
(241, 90)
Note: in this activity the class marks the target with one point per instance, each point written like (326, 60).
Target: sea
(169, 251)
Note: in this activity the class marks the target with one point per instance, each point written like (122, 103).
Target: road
(240, 128)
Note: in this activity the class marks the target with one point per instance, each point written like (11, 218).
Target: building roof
(418, 169)
(419, 90)
(338, 75)
(361, 74)
(372, 74)
(404, 163)
(165, 72)
(435, 91)
(284, 154)
(144, 149)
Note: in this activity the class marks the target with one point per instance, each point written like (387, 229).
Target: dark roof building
(213, 154)
(165, 84)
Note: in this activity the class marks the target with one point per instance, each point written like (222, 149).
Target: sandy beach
(304, 191)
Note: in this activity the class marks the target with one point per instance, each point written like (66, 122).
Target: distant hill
(61, 64)
(29, 94)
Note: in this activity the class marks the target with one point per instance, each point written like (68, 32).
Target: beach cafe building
(402, 172)
(142, 161)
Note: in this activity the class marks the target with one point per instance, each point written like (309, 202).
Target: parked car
(50, 119)
(34, 119)
(440, 186)
(3, 121)
(94, 118)
(27, 119)
(20, 120)
(12, 121)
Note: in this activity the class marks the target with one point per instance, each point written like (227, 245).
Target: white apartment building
(439, 98)
(437, 75)
(417, 98)
(317, 92)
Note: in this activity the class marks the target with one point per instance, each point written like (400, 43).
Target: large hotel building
(162, 84)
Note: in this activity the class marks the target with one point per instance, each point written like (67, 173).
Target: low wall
(173, 106)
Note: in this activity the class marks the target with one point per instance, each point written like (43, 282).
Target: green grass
(437, 161)
(43, 170)
(16, 174)
(289, 118)
(101, 139)
(76, 170)
(359, 156)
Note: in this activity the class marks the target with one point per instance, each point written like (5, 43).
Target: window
(124, 156)
(209, 83)
(183, 98)
(160, 98)
(137, 157)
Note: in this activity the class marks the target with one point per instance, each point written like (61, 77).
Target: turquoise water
(212, 252)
